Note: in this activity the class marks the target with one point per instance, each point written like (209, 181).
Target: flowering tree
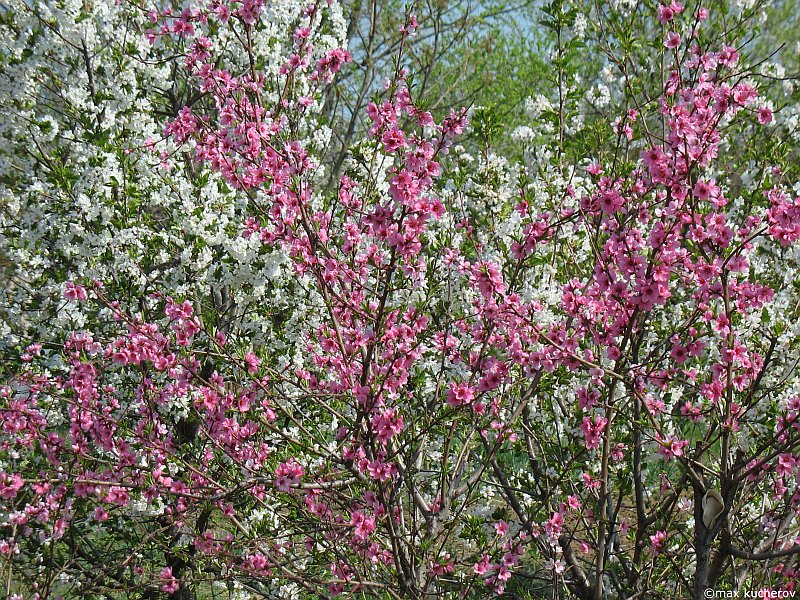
(448, 375)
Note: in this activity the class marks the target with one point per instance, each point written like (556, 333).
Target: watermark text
(762, 593)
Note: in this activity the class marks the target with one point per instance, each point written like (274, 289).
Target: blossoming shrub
(486, 378)
(93, 188)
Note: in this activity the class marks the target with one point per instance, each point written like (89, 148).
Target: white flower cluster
(92, 190)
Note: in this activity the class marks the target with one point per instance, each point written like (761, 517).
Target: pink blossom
(363, 525)
(501, 528)
(657, 541)
(673, 40)
(666, 13)
(482, 566)
(393, 140)
(288, 475)
(553, 526)
(74, 293)
(593, 431)
(671, 447)
(595, 169)
(252, 362)
(169, 585)
(459, 394)
(10, 485)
